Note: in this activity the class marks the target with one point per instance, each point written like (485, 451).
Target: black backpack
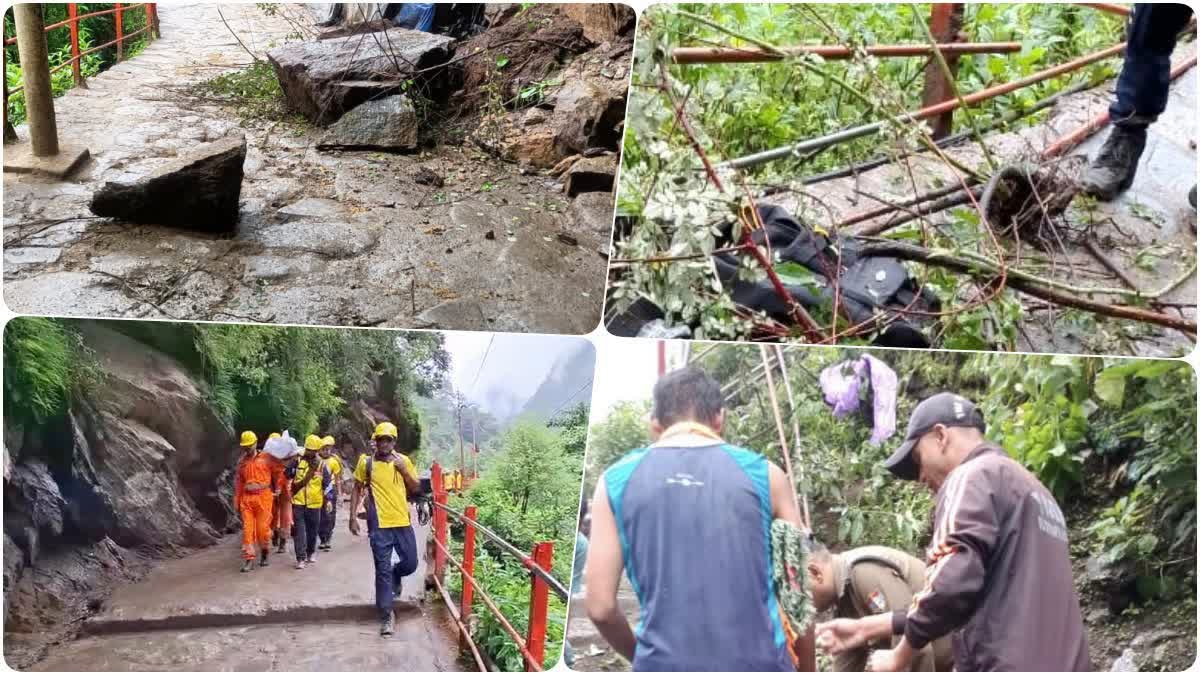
(868, 285)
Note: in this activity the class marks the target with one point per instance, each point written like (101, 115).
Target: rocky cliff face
(132, 471)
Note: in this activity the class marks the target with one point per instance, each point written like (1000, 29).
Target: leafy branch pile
(684, 121)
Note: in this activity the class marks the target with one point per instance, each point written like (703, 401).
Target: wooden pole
(787, 386)
(35, 71)
(783, 444)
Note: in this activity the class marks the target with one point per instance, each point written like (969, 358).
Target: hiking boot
(1112, 172)
(247, 565)
(300, 563)
(385, 628)
(325, 547)
(262, 560)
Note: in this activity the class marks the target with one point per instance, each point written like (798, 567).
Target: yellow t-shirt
(310, 495)
(391, 495)
(335, 467)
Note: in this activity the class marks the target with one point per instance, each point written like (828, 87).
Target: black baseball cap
(945, 408)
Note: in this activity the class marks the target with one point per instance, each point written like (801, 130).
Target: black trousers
(328, 520)
(1145, 84)
(307, 524)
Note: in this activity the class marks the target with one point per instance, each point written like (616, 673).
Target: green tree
(626, 428)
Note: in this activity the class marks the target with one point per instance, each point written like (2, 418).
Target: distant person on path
(1142, 92)
(333, 494)
(999, 577)
(872, 581)
(281, 518)
(387, 478)
(688, 521)
(309, 477)
(581, 551)
(258, 478)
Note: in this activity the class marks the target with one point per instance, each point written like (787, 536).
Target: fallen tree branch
(1019, 281)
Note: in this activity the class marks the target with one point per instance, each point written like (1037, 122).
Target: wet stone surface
(323, 237)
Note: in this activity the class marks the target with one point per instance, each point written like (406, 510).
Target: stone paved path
(200, 613)
(362, 243)
(1149, 231)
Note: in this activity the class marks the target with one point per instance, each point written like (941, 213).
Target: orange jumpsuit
(254, 484)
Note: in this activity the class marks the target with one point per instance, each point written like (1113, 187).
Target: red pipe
(690, 55)
(462, 628)
(1071, 140)
(1121, 10)
(539, 602)
(487, 600)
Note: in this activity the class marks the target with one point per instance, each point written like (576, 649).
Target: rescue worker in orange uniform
(258, 479)
(281, 519)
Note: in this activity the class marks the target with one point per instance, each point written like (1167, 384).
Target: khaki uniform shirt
(879, 580)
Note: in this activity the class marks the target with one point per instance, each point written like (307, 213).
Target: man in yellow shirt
(333, 494)
(309, 477)
(387, 478)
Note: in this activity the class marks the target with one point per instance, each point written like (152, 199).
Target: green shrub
(41, 362)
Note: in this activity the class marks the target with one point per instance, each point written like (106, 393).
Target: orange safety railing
(533, 644)
(71, 23)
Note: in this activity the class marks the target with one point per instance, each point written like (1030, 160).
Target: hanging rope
(783, 444)
(787, 385)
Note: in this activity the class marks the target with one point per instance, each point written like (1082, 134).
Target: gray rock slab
(384, 124)
(333, 240)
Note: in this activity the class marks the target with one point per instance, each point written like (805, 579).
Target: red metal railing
(71, 23)
(533, 644)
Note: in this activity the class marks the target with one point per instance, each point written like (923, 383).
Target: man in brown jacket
(999, 575)
(871, 581)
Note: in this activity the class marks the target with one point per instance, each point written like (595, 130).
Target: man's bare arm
(783, 506)
(603, 577)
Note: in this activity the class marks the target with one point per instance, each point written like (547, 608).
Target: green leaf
(1110, 388)
(502, 61)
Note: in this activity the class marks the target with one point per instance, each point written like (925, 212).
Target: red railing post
(945, 22)
(152, 19)
(539, 602)
(439, 521)
(120, 35)
(468, 591)
(73, 25)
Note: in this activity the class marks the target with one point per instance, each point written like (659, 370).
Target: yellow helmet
(385, 429)
(328, 440)
(313, 442)
(275, 434)
(249, 439)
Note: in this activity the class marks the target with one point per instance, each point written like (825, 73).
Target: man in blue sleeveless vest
(688, 520)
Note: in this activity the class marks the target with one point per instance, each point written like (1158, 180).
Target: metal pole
(468, 591)
(35, 71)
(120, 35)
(462, 457)
(439, 520)
(539, 602)
(945, 22)
(474, 442)
(696, 55)
(783, 444)
(10, 134)
(76, 66)
(807, 146)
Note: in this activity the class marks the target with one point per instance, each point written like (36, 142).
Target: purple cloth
(841, 382)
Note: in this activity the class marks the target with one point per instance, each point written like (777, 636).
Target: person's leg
(1142, 91)
(327, 523)
(406, 549)
(262, 528)
(299, 534)
(311, 527)
(248, 534)
(381, 540)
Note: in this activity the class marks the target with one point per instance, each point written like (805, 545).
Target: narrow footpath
(199, 613)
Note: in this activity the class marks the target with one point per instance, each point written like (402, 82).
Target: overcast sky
(626, 370)
(515, 363)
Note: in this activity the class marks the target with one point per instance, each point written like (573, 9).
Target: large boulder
(589, 114)
(601, 21)
(32, 492)
(147, 454)
(389, 123)
(199, 190)
(322, 79)
(592, 174)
